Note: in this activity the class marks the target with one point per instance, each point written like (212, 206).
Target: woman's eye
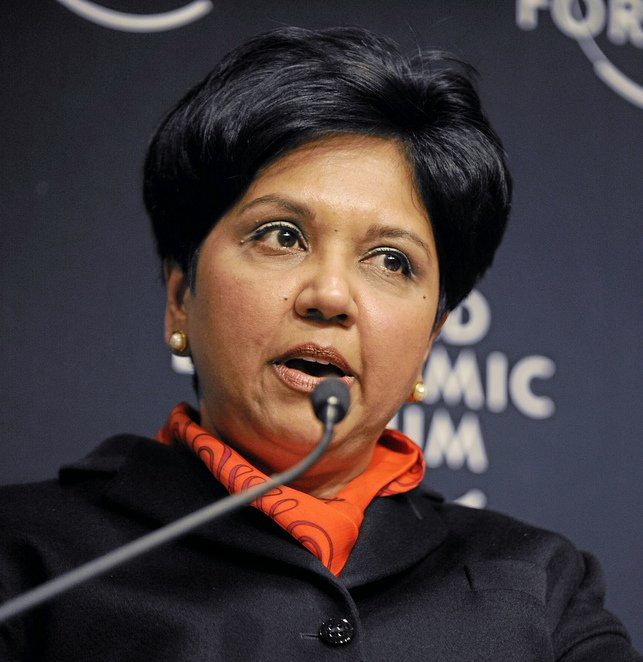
(392, 260)
(279, 235)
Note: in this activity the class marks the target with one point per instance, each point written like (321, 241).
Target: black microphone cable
(330, 402)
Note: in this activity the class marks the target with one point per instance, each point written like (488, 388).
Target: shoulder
(499, 554)
(494, 544)
(116, 494)
(76, 482)
(43, 513)
(489, 531)
(69, 519)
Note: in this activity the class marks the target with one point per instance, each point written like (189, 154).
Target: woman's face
(326, 266)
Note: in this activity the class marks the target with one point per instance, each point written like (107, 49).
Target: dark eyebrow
(388, 232)
(376, 231)
(285, 203)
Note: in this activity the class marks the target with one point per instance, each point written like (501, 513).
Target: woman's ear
(176, 317)
(434, 334)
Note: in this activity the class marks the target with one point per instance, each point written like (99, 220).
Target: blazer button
(336, 631)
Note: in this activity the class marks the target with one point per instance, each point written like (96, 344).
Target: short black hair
(290, 86)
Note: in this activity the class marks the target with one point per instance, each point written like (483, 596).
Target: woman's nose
(327, 294)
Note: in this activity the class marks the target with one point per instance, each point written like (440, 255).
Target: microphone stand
(330, 411)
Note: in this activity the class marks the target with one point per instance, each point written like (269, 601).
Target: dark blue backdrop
(536, 385)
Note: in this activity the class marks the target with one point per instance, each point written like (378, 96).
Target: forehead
(334, 150)
(363, 171)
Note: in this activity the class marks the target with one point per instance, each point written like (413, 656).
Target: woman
(320, 204)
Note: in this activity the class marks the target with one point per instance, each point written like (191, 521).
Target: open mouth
(315, 368)
(303, 367)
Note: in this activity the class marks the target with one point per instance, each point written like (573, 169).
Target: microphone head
(333, 392)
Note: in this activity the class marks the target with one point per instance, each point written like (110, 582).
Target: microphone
(330, 401)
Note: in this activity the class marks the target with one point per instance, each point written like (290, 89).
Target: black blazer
(425, 581)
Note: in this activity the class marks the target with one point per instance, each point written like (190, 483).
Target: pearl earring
(178, 342)
(419, 391)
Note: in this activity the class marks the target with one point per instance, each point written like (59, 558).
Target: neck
(327, 484)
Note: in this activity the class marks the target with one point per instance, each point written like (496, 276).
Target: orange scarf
(326, 527)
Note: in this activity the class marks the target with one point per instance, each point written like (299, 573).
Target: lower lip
(300, 381)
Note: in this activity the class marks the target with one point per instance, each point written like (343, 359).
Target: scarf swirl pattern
(328, 528)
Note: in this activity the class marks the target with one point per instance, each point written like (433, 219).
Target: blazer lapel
(397, 532)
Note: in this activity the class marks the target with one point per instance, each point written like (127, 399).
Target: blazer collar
(159, 484)
(162, 483)
(397, 532)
